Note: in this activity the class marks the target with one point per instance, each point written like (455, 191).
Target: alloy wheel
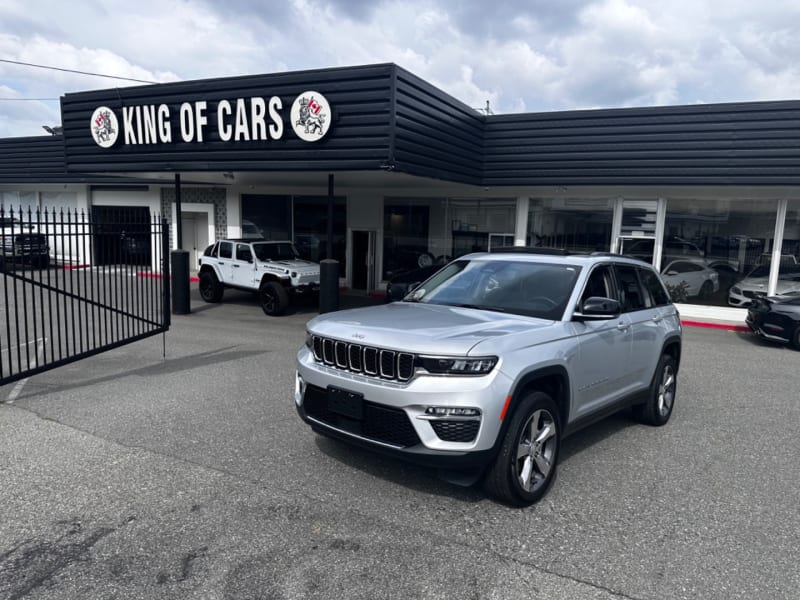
(536, 451)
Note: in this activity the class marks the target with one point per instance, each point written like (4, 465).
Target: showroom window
(414, 234)
(300, 218)
(577, 224)
(311, 228)
(420, 232)
(482, 224)
(730, 239)
(789, 274)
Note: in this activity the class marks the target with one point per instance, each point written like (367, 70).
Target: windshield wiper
(480, 307)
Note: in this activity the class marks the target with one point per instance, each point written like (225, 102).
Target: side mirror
(598, 309)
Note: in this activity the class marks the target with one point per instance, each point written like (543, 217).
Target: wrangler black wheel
(273, 298)
(210, 287)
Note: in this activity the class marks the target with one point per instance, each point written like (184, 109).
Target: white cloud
(520, 55)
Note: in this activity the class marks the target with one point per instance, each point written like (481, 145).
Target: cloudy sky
(534, 55)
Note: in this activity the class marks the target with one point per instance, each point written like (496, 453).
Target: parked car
(776, 318)
(757, 281)
(483, 369)
(21, 245)
(272, 269)
(695, 276)
(399, 285)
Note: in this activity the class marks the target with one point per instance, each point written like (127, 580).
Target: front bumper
(394, 419)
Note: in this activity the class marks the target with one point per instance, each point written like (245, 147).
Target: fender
(561, 396)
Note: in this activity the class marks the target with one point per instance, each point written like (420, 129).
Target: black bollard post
(328, 285)
(180, 282)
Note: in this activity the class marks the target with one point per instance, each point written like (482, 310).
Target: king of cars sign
(239, 120)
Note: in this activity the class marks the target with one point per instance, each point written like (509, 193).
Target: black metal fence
(74, 285)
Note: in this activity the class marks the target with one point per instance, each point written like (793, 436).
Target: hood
(426, 328)
(760, 284)
(294, 264)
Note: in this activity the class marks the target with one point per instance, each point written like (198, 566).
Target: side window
(225, 250)
(631, 292)
(653, 285)
(243, 253)
(598, 284)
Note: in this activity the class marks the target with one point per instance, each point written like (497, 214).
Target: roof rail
(531, 250)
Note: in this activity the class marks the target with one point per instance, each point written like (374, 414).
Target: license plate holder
(345, 403)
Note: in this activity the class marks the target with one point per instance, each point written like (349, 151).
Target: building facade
(708, 193)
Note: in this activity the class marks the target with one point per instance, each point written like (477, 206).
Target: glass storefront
(729, 239)
(789, 275)
(576, 224)
(420, 232)
(300, 218)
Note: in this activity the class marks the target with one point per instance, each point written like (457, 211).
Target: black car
(399, 285)
(776, 318)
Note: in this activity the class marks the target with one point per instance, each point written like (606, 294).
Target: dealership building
(415, 176)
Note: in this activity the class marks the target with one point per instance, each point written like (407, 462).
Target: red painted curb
(730, 327)
(158, 276)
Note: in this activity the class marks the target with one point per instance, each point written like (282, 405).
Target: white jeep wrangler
(272, 269)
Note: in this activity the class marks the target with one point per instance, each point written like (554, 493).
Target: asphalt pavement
(176, 467)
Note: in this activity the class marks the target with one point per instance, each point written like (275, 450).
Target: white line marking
(17, 389)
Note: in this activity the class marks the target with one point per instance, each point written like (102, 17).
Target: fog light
(452, 411)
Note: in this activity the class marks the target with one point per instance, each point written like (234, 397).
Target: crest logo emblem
(104, 127)
(311, 116)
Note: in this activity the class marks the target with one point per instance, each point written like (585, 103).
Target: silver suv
(484, 368)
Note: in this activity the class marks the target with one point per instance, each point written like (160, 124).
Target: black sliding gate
(74, 285)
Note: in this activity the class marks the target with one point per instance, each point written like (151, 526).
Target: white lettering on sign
(276, 129)
(239, 120)
(223, 127)
(187, 122)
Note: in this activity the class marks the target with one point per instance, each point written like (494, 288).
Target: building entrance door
(363, 260)
(639, 229)
(195, 235)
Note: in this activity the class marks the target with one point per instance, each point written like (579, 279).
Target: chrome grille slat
(341, 354)
(367, 360)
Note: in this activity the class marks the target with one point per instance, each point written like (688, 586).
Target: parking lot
(138, 475)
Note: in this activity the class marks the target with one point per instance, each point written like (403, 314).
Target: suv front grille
(380, 423)
(367, 360)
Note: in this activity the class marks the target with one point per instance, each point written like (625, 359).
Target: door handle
(623, 326)
(236, 266)
(657, 319)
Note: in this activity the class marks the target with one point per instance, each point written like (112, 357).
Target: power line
(24, 64)
(27, 99)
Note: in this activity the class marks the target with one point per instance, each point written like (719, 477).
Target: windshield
(791, 272)
(524, 288)
(273, 251)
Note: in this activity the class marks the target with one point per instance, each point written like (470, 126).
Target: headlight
(309, 341)
(736, 290)
(442, 365)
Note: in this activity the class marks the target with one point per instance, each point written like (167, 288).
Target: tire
(273, 298)
(522, 473)
(210, 287)
(425, 260)
(796, 338)
(706, 290)
(658, 408)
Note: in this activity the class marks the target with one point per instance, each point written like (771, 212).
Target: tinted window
(653, 285)
(599, 284)
(243, 252)
(632, 294)
(225, 250)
